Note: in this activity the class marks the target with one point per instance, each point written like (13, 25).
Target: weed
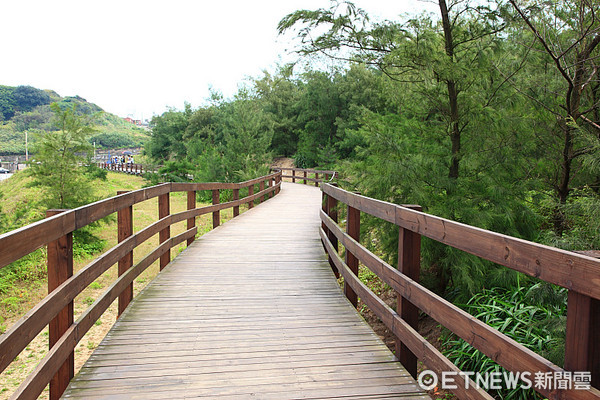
(89, 300)
(11, 303)
(98, 322)
(95, 285)
(91, 345)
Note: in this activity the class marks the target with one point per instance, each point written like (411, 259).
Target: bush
(539, 326)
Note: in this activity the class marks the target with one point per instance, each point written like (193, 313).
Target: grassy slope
(12, 139)
(24, 295)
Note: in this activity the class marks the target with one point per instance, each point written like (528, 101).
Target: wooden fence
(578, 273)
(56, 309)
(311, 175)
(135, 169)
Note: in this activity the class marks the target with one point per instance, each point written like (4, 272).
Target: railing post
(304, 178)
(191, 204)
(269, 185)
(236, 196)
(216, 214)
(60, 268)
(316, 179)
(582, 346)
(250, 193)
(278, 180)
(293, 175)
(125, 229)
(409, 263)
(332, 212)
(261, 187)
(165, 234)
(353, 230)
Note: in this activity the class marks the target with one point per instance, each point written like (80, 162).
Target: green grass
(516, 312)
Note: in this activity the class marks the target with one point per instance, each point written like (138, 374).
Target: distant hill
(25, 108)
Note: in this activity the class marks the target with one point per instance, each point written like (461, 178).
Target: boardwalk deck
(249, 310)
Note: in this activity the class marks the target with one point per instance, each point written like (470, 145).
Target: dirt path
(283, 162)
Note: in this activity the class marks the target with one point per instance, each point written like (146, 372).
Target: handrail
(548, 263)
(130, 168)
(329, 175)
(20, 242)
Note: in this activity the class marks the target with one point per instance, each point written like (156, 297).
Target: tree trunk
(563, 187)
(453, 172)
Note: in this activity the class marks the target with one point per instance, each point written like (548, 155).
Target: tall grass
(533, 315)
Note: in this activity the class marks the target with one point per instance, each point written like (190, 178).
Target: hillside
(25, 108)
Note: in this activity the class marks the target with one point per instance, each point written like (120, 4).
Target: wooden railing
(312, 175)
(56, 309)
(578, 273)
(135, 169)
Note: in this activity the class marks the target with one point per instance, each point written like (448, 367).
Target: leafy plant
(533, 315)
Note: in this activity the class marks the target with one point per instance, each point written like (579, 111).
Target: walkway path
(251, 310)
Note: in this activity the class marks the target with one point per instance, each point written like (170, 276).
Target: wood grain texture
(60, 269)
(22, 241)
(125, 230)
(570, 270)
(503, 350)
(164, 209)
(249, 310)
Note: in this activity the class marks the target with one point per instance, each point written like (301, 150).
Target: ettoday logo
(497, 380)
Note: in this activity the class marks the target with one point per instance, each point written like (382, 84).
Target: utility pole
(26, 147)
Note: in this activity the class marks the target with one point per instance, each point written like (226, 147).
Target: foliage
(221, 143)
(24, 108)
(57, 166)
(114, 140)
(533, 315)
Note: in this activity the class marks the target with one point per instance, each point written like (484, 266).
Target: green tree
(430, 142)
(563, 84)
(166, 140)
(279, 95)
(28, 97)
(59, 162)
(7, 102)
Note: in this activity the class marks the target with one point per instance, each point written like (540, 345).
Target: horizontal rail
(484, 338)
(302, 178)
(20, 334)
(318, 171)
(570, 270)
(49, 365)
(505, 351)
(20, 242)
(305, 171)
(417, 343)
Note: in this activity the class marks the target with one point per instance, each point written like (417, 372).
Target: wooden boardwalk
(251, 310)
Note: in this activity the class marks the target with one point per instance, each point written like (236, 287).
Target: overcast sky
(134, 57)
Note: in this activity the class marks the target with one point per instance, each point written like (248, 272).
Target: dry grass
(143, 214)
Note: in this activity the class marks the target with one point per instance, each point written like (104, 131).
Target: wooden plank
(216, 216)
(353, 230)
(164, 210)
(573, 271)
(34, 384)
(409, 264)
(125, 230)
(582, 347)
(411, 338)
(236, 196)
(60, 269)
(249, 309)
(191, 204)
(503, 350)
